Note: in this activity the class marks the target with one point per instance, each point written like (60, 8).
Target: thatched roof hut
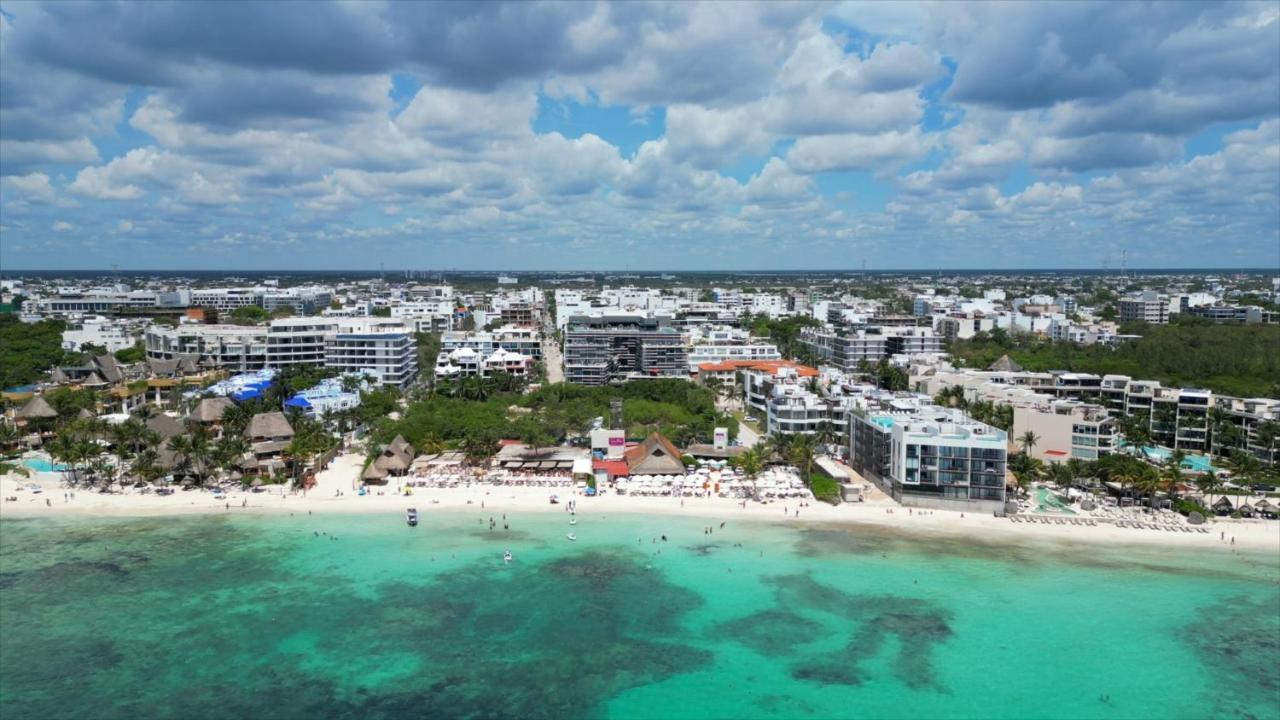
(36, 407)
(269, 426)
(165, 426)
(210, 410)
(1005, 364)
(374, 474)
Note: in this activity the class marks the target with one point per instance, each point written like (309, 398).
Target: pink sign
(615, 441)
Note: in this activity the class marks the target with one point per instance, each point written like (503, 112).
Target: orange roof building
(770, 366)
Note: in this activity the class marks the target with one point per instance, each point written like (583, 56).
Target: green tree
(249, 315)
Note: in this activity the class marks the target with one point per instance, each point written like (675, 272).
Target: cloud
(425, 132)
(825, 153)
(61, 227)
(34, 187)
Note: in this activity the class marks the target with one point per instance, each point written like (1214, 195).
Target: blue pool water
(1194, 463)
(42, 465)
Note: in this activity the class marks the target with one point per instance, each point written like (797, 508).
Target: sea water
(365, 617)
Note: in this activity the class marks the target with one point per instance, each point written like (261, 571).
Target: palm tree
(802, 451)
(146, 465)
(1026, 470)
(751, 463)
(1061, 474)
(825, 434)
(1028, 441)
(1218, 418)
(1266, 435)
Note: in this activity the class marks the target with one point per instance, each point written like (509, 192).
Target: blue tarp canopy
(298, 402)
(247, 394)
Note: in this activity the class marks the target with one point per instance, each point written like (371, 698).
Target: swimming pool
(1194, 463)
(1046, 501)
(40, 464)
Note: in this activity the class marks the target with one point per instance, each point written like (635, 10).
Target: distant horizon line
(401, 271)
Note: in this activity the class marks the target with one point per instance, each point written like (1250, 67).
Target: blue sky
(586, 136)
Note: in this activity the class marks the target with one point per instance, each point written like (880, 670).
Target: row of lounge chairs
(1134, 524)
(1045, 520)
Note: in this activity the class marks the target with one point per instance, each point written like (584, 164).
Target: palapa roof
(655, 456)
(181, 365)
(94, 379)
(373, 472)
(269, 425)
(1005, 364)
(401, 447)
(108, 368)
(165, 426)
(210, 410)
(37, 407)
(85, 414)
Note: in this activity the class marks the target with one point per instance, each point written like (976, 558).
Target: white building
(100, 331)
(1148, 307)
(928, 456)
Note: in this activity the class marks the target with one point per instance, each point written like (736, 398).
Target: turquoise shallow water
(248, 617)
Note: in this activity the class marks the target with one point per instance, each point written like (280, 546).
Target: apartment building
(228, 347)
(102, 301)
(1180, 418)
(467, 362)
(381, 347)
(1244, 314)
(1149, 307)
(523, 340)
(849, 349)
(99, 331)
(1066, 429)
(520, 314)
(609, 348)
(928, 456)
(761, 378)
(962, 326)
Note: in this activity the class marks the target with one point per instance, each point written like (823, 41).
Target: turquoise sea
(261, 617)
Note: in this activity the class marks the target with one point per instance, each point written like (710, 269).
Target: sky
(354, 135)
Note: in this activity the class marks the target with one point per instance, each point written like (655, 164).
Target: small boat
(571, 536)
(411, 517)
(573, 521)
(506, 557)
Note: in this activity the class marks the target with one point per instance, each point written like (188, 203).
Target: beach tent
(1223, 506)
(1265, 508)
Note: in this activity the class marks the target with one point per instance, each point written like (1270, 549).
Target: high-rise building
(600, 349)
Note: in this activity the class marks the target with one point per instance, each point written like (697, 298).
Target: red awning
(615, 468)
(1055, 452)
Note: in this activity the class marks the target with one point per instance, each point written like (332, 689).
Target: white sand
(1249, 534)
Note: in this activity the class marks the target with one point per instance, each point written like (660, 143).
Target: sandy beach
(1260, 535)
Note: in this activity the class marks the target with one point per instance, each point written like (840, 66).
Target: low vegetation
(1239, 360)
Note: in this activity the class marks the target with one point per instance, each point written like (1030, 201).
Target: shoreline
(1252, 535)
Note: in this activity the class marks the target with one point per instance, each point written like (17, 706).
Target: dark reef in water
(1238, 642)
(917, 624)
(254, 637)
(771, 632)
